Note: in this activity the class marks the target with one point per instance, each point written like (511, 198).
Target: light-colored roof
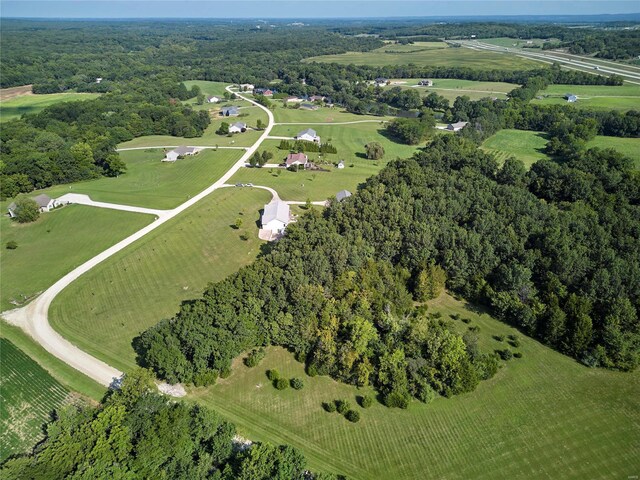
(12, 206)
(184, 150)
(230, 109)
(308, 131)
(458, 124)
(42, 200)
(239, 125)
(342, 194)
(277, 210)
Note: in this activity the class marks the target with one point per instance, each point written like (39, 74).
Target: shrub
(515, 343)
(254, 357)
(455, 316)
(273, 374)
(466, 320)
(329, 406)
(397, 400)
(12, 245)
(365, 401)
(352, 416)
(474, 329)
(281, 383)
(296, 383)
(225, 372)
(505, 354)
(512, 337)
(499, 338)
(26, 210)
(426, 394)
(342, 406)
(517, 354)
(244, 236)
(312, 370)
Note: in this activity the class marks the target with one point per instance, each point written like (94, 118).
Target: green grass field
(28, 397)
(146, 282)
(513, 42)
(151, 183)
(528, 146)
(207, 88)
(541, 416)
(420, 55)
(316, 185)
(454, 88)
(18, 106)
(322, 115)
(524, 145)
(55, 244)
(599, 97)
(249, 114)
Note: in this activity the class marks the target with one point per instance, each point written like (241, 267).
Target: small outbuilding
(571, 98)
(340, 164)
(213, 99)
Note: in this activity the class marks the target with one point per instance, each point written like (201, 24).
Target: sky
(304, 8)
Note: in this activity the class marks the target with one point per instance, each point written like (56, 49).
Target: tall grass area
(424, 55)
(542, 416)
(54, 245)
(28, 397)
(150, 182)
(16, 107)
(146, 282)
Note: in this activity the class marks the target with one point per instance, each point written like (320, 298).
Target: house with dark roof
(308, 135)
(381, 81)
(297, 159)
(176, 153)
(231, 111)
(276, 216)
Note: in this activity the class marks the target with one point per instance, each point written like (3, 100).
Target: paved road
(33, 318)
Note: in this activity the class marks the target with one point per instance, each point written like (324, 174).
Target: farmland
(151, 183)
(541, 416)
(55, 244)
(598, 97)
(139, 286)
(18, 106)
(28, 397)
(437, 54)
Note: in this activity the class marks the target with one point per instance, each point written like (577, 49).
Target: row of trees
(137, 433)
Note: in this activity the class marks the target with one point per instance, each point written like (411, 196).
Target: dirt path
(33, 318)
(13, 92)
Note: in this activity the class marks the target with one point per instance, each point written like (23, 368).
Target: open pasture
(599, 97)
(29, 103)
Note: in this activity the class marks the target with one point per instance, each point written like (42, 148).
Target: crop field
(249, 114)
(528, 146)
(419, 54)
(318, 185)
(28, 397)
(541, 416)
(150, 182)
(524, 145)
(54, 245)
(598, 97)
(18, 106)
(146, 282)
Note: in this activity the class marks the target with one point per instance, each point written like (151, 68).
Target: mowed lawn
(28, 397)
(422, 54)
(454, 88)
(55, 244)
(541, 416)
(317, 185)
(529, 146)
(146, 282)
(600, 97)
(18, 106)
(249, 114)
(524, 145)
(322, 115)
(150, 182)
(207, 88)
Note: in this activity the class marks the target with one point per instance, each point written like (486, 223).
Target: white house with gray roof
(342, 194)
(238, 127)
(276, 216)
(308, 135)
(45, 204)
(176, 153)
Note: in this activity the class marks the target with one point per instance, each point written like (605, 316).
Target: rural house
(317, 98)
(231, 111)
(276, 216)
(294, 100)
(426, 83)
(45, 204)
(381, 81)
(173, 155)
(263, 91)
(238, 127)
(213, 99)
(454, 127)
(308, 135)
(341, 164)
(571, 98)
(297, 159)
(342, 194)
(247, 87)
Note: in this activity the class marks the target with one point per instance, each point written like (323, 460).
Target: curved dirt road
(33, 318)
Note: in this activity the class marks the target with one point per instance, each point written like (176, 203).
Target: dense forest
(554, 251)
(137, 433)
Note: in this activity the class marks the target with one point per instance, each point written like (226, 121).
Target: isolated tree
(26, 210)
(260, 124)
(375, 151)
(113, 165)
(223, 129)
(238, 223)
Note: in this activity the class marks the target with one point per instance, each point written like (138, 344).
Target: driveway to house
(33, 318)
(82, 199)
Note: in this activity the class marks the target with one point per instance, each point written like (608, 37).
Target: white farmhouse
(308, 135)
(238, 127)
(213, 99)
(173, 155)
(276, 216)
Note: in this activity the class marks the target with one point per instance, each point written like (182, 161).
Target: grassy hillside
(28, 397)
(18, 106)
(55, 244)
(627, 146)
(542, 416)
(151, 183)
(599, 97)
(139, 286)
(428, 54)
